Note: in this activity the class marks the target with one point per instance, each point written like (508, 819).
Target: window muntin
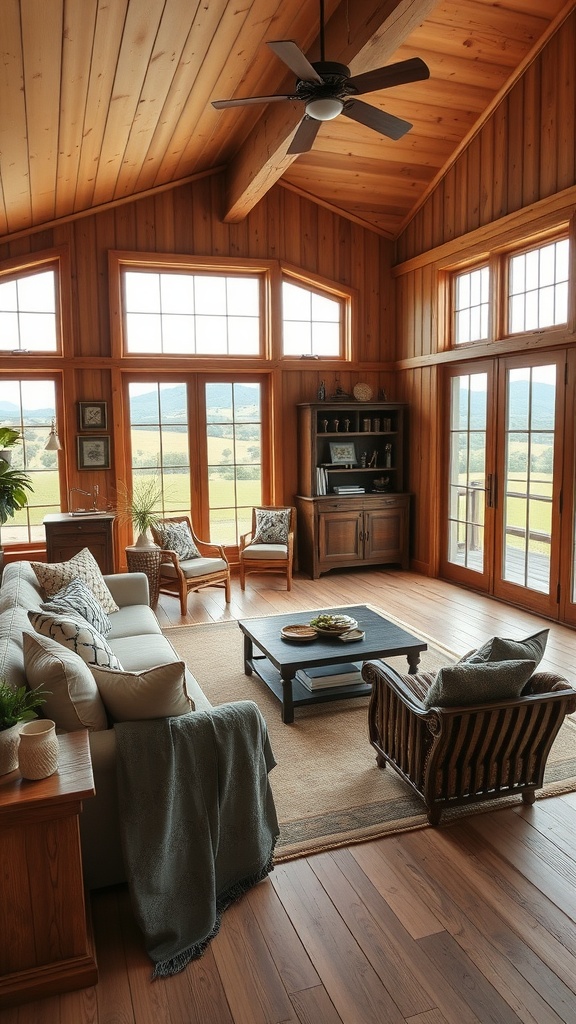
(471, 305)
(192, 313)
(312, 324)
(28, 312)
(538, 287)
(234, 442)
(30, 406)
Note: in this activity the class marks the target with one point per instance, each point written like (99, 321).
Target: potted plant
(13, 482)
(17, 705)
(141, 507)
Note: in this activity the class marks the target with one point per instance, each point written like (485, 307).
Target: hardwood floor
(471, 922)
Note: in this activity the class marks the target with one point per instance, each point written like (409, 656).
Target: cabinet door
(340, 536)
(386, 534)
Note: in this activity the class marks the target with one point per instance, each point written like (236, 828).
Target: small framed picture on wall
(92, 416)
(93, 452)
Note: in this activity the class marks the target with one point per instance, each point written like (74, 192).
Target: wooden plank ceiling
(101, 100)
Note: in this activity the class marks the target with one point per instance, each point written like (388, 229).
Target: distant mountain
(9, 411)
(542, 406)
(144, 408)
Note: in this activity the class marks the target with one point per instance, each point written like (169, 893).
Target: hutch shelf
(352, 506)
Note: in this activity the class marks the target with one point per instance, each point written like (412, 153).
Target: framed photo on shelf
(343, 453)
(92, 415)
(93, 452)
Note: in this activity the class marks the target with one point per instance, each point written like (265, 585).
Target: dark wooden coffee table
(278, 660)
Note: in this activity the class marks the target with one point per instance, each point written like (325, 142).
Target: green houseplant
(17, 705)
(13, 482)
(141, 507)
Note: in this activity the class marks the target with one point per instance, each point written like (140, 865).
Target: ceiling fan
(327, 89)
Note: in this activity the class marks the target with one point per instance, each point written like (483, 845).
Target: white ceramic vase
(38, 749)
(9, 739)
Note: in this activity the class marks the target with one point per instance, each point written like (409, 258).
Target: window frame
(58, 260)
(498, 262)
(121, 262)
(325, 289)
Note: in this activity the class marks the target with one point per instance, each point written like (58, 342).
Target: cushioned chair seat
(194, 567)
(266, 551)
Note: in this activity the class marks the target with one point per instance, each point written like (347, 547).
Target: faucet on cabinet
(90, 494)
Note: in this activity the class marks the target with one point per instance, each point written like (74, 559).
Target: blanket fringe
(175, 964)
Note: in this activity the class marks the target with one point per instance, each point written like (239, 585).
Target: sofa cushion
(133, 620)
(177, 537)
(77, 597)
(73, 701)
(478, 683)
(158, 692)
(271, 526)
(137, 653)
(499, 648)
(77, 635)
(52, 576)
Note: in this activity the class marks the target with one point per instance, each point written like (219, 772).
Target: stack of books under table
(325, 676)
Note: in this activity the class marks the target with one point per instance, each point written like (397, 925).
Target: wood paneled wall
(524, 152)
(186, 220)
(520, 161)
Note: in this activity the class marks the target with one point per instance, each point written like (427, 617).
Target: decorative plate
(362, 392)
(297, 632)
(333, 625)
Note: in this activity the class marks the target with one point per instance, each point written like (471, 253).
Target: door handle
(491, 490)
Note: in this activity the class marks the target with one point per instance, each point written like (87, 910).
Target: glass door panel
(468, 482)
(528, 513)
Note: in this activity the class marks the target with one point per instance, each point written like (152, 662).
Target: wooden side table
(146, 560)
(66, 535)
(46, 943)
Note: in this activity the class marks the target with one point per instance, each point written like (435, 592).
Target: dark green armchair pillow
(478, 683)
(498, 648)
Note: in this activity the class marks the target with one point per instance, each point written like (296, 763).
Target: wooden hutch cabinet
(352, 507)
(66, 535)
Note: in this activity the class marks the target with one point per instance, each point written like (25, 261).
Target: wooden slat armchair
(181, 577)
(275, 558)
(452, 756)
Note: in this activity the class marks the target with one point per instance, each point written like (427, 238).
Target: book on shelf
(349, 490)
(322, 677)
(321, 480)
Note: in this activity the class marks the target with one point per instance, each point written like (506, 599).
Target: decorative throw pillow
(500, 649)
(77, 597)
(52, 576)
(177, 537)
(73, 701)
(478, 683)
(154, 693)
(272, 526)
(77, 635)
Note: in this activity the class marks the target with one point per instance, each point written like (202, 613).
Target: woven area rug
(327, 787)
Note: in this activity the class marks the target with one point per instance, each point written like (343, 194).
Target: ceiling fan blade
(405, 71)
(387, 124)
(292, 55)
(221, 104)
(305, 135)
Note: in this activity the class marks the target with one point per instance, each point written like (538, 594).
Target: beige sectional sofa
(138, 643)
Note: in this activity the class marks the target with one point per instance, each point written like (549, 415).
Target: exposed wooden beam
(362, 35)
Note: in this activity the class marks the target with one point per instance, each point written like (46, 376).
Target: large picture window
(29, 406)
(187, 313)
(28, 321)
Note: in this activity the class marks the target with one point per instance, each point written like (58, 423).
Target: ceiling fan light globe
(325, 108)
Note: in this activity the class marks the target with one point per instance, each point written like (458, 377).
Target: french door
(505, 470)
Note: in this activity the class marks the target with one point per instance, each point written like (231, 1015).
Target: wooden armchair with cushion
(188, 563)
(477, 730)
(269, 547)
